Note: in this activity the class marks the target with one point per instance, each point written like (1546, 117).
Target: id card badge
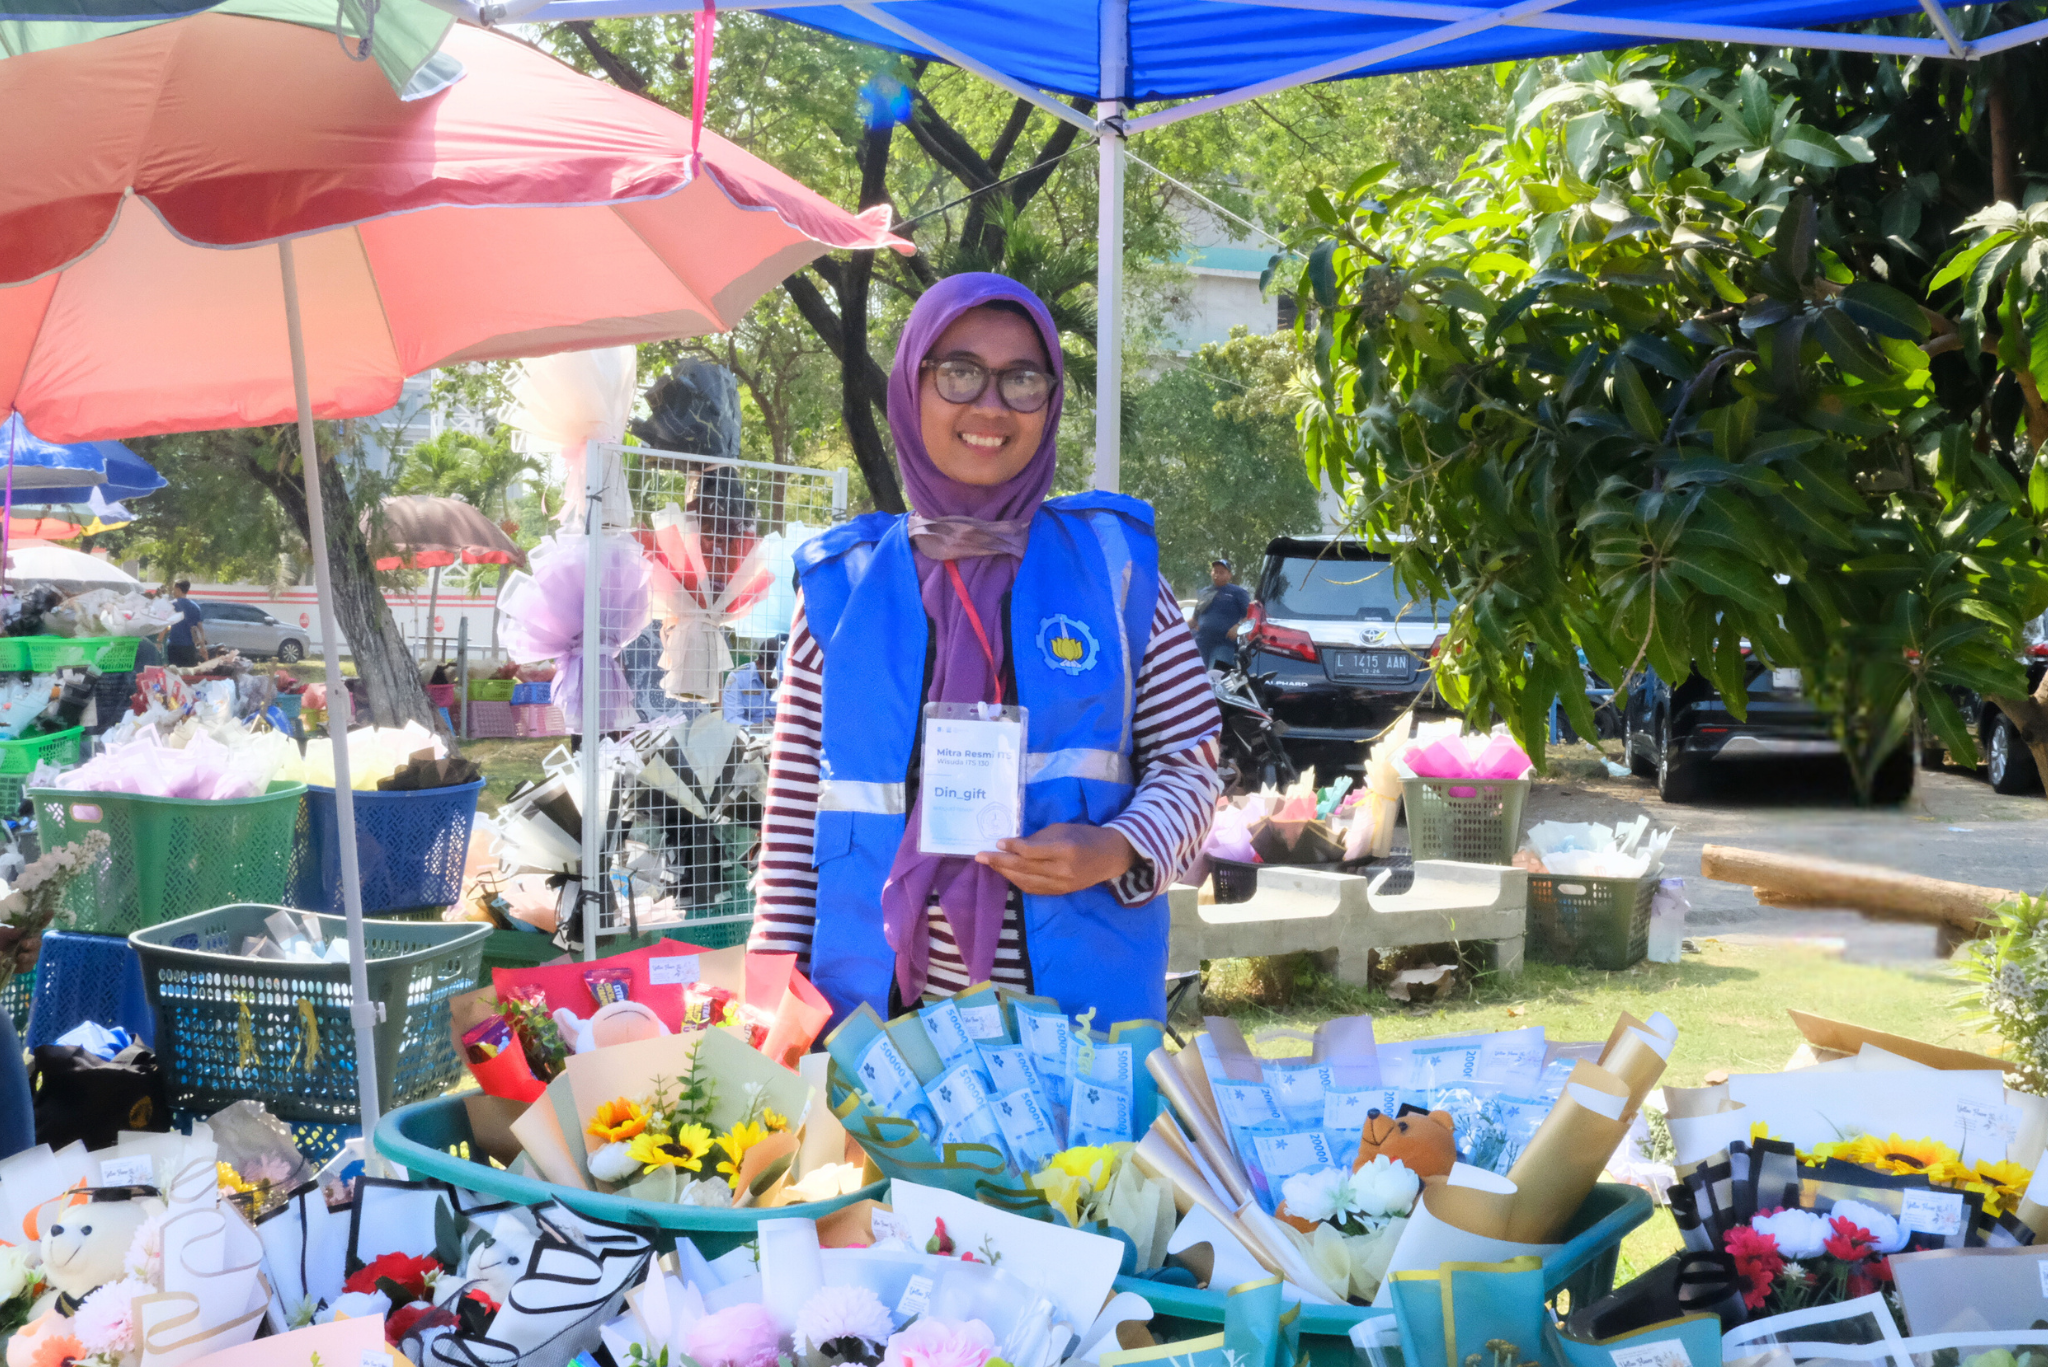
(972, 789)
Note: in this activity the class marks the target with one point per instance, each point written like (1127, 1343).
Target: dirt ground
(1953, 826)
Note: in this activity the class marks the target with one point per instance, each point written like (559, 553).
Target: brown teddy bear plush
(1421, 1141)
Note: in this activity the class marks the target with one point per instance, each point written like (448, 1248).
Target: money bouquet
(977, 1091)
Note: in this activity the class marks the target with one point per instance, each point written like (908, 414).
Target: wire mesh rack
(681, 786)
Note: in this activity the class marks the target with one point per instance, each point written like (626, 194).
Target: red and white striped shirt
(1173, 743)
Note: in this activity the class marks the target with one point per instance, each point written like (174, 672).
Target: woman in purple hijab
(1053, 606)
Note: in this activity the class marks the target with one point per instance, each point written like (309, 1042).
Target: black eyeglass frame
(996, 377)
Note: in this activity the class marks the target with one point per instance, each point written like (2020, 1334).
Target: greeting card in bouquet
(1682, 1341)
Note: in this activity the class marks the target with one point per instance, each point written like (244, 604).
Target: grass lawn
(1729, 1003)
(507, 764)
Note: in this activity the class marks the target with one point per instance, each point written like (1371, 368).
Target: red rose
(404, 1320)
(407, 1273)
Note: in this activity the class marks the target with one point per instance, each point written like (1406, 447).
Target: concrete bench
(1312, 910)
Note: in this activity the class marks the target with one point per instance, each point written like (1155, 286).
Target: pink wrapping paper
(542, 618)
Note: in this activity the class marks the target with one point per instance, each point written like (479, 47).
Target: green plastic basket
(432, 1139)
(19, 758)
(115, 653)
(1583, 1266)
(170, 857)
(13, 653)
(492, 690)
(1590, 922)
(1475, 821)
(231, 1028)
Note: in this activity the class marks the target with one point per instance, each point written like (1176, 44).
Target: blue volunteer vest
(1079, 617)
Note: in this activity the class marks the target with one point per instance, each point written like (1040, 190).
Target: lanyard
(974, 620)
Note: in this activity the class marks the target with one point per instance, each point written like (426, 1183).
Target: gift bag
(81, 1097)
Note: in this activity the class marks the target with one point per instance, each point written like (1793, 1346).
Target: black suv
(1346, 650)
(1675, 733)
(2007, 761)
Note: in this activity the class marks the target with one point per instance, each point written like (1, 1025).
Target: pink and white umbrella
(185, 247)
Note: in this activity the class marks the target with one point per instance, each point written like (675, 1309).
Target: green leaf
(1843, 341)
(1792, 243)
(1962, 263)
(1319, 205)
(1947, 723)
(1802, 142)
(1636, 403)
(1884, 310)
(1723, 574)
(1322, 274)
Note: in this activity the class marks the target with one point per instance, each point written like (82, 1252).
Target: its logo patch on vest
(1067, 644)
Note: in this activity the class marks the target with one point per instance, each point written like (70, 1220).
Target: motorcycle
(1250, 756)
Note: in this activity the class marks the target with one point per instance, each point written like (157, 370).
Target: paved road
(1953, 826)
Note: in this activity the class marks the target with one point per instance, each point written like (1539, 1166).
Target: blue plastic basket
(410, 847)
(231, 1027)
(1583, 1267)
(81, 977)
(531, 694)
(17, 997)
(432, 1139)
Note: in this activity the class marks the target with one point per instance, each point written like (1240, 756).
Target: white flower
(1319, 1194)
(105, 1322)
(837, 1312)
(1385, 1186)
(1884, 1230)
(1799, 1233)
(711, 1192)
(14, 1273)
(145, 1260)
(613, 1164)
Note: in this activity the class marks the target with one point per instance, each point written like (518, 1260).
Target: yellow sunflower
(736, 1142)
(775, 1120)
(685, 1149)
(229, 1180)
(1951, 1175)
(617, 1120)
(1760, 1130)
(2006, 1175)
(1864, 1148)
(1913, 1155)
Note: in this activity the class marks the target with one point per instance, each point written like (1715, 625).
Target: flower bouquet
(1034, 1297)
(978, 1091)
(1335, 1169)
(696, 1119)
(557, 1010)
(35, 900)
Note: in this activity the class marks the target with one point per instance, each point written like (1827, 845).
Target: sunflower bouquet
(664, 1146)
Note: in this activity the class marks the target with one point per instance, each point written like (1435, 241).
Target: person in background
(1217, 612)
(749, 695)
(188, 636)
(17, 1105)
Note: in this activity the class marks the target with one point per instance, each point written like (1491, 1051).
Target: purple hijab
(982, 530)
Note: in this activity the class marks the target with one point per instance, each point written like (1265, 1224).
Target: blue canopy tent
(1211, 54)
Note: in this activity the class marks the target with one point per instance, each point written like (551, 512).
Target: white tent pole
(1114, 62)
(590, 887)
(362, 1012)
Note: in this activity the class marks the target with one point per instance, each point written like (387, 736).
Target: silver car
(251, 630)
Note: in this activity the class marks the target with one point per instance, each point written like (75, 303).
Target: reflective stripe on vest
(841, 795)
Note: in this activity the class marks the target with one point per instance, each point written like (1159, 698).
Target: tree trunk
(391, 693)
(855, 408)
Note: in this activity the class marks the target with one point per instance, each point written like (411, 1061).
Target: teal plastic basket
(16, 998)
(432, 1139)
(1583, 1267)
(230, 1027)
(171, 856)
(19, 758)
(106, 653)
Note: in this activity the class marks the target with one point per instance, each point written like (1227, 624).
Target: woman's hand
(1062, 859)
(20, 947)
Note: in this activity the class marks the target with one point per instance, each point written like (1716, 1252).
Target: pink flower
(842, 1312)
(105, 1322)
(46, 1342)
(739, 1336)
(938, 1343)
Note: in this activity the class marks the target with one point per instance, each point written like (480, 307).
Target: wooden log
(1807, 882)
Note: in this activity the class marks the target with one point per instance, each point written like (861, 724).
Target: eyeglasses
(1022, 388)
